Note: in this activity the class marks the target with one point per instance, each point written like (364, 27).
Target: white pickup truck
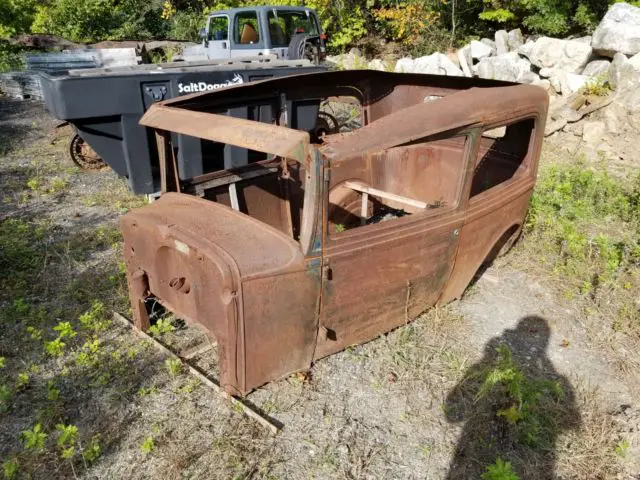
(290, 33)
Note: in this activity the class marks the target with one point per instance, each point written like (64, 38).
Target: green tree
(16, 16)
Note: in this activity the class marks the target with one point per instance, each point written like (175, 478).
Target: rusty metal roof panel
(459, 110)
(263, 137)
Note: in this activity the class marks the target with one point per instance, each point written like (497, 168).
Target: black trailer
(105, 105)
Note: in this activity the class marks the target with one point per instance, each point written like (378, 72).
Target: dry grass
(592, 451)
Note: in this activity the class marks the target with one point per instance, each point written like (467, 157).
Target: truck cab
(290, 33)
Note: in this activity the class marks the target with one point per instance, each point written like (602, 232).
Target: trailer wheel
(83, 155)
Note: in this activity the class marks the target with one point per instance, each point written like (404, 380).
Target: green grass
(583, 226)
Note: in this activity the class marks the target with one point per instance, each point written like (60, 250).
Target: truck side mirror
(203, 33)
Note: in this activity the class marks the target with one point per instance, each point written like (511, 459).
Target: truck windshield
(283, 25)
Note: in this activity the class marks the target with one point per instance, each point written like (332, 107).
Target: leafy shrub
(162, 326)
(571, 216)
(499, 470)
(525, 395)
(10, 468)
(34, 439)
(94, 20)
(11, 57)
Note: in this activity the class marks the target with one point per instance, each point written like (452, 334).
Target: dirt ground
(398, 407)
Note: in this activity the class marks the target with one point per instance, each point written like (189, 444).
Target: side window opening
(246, 28)
(502, 156)
(219, 28)
(284, 25)
(423, 178)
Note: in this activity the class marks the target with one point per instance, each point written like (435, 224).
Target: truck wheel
(83, 155)
(300, 47)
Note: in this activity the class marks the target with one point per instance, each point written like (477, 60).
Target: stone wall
(593, 82)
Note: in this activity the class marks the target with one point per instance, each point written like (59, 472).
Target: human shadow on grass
(514, 405)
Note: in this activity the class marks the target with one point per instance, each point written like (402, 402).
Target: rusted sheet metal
(316, 247)
(276, 140)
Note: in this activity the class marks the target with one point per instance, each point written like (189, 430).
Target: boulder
(490, 43)
(466, 60)
(515, 40)
(597, 68)
(377, 64)
(556, 83)
(593, 131)
(502, 42)
(573, 83)
(404, 65)
(547, 72)
(569, 55)
(525, 49)
(615, 118)
(586, 39)
(624, 73)
(348, 61)
(436, 64)
(479, 50)
(619, 31)
(508, 67)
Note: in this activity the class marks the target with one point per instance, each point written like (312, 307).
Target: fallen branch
(246, 409)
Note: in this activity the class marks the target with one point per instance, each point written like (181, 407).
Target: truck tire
(300, 47)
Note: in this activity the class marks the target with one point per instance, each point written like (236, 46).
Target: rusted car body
(318, 246)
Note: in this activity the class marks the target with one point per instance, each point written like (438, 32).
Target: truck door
(248, 38)
(218, 37)
(391, 238)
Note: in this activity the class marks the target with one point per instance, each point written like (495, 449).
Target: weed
(55, 348)
(3, 362)
(499, 470)
(53, 393)
(95, 319)
(92, 451)
(22, 381)
(584, 226)
(65, 330)
(6, 395)
(89, 354)
(34, 439)
(598, 86)
(162, 326)
(56, 185)
(525, 396)
(173, 366)
(622, 448)
(144, 391)
(33, 184)
(34, 333)
(147, 445)
(10, 469)
(191, 385)
(340, 228)
(66, 440)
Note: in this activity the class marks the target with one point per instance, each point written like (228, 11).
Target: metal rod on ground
(247, 410)
(197, 350)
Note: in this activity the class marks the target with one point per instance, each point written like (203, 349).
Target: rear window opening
(502, 156)
(340, 114)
